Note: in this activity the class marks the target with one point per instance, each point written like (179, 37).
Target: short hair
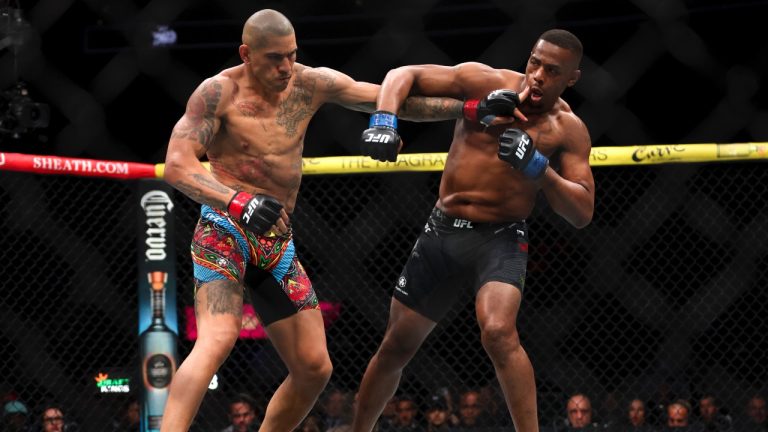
(52, 406)
(682, 403)
(581, 395)
(263, 24)
(243, 398)
(564, 39)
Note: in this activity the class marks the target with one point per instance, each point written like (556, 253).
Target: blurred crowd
(482, 410)
(19, 416)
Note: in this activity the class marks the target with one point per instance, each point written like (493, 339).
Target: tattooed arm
(361, 96)
(424, 108)
(190, 139)
(460, 81)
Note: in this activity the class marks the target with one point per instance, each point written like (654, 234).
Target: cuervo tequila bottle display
(157, 346)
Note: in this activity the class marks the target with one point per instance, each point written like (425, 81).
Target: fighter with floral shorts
(267, 265)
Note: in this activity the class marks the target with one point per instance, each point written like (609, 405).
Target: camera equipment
(19, 113)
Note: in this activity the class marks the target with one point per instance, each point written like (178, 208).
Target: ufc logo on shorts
(461, 223)
(379, 138)
(520, 152)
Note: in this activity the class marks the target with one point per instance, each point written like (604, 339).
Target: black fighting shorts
(452, 254)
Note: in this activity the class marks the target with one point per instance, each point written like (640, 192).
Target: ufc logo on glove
(379, 138)
(249, 211)
(520, 152)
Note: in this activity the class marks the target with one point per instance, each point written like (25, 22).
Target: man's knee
(499, 338)
(218, 342)
(316, 368)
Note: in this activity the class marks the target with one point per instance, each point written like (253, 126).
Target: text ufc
(379, 138)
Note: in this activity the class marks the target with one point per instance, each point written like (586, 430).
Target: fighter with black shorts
(476, 237)
(452, 254)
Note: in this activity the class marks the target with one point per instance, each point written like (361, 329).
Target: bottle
(157, 348)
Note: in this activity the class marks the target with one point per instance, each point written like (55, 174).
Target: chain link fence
(661, 297)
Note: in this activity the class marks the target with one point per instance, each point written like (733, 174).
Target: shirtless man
(476, 237)
(250, 121)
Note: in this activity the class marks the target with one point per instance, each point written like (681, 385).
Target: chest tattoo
(298, 105)
(248, 108)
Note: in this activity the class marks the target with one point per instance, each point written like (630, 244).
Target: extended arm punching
(361, 96)
(381, 140)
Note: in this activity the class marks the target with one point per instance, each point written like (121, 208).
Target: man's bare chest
(288, 115)
(546, 135)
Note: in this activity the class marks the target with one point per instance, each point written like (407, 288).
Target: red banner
(75, 166)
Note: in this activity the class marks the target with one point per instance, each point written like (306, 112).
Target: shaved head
(264, 24)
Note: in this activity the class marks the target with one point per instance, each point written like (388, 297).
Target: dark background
(654, 71)
(662, 295)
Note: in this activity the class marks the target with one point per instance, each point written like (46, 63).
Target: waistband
(440, 217)
(220, 217)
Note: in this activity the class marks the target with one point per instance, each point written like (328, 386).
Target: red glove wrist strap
(237, 204)
(470, 109)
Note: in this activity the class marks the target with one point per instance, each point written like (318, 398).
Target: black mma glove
(381, 140)
(517, 149)
(257, 213)
(497, 103)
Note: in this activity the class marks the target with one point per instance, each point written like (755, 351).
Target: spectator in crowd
(579, 410)
(347, 413)
(495, 413)
(579, 415)
(450, 402)
(756, 419)
(242, 414)
(311, 423)
(387, 419)
(657, 408)
(678, 417)
(469, 410)
(405, 419)
(335, 409)
(130, 417)
(53, 419)
(711, 416)
(437, 414)
(636, 419)
(15, 417)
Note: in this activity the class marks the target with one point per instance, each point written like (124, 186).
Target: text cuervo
(156, 204)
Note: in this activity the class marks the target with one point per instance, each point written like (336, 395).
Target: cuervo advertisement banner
(158, 324)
